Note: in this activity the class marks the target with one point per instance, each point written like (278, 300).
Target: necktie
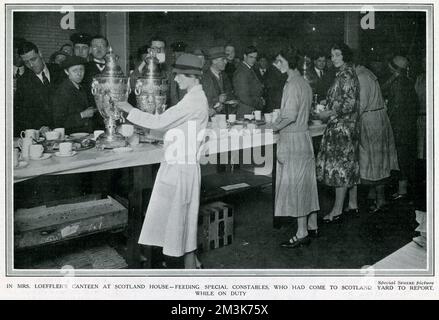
(45, 80)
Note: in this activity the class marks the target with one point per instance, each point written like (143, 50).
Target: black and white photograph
(212, 143)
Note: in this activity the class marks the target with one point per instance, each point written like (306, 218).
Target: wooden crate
(46, 225)
(215, 226)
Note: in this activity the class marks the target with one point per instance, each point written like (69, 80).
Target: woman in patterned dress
(337, 160)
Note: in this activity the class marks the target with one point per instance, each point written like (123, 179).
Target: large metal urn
(151, 87)
(108, 87)
(306, 65)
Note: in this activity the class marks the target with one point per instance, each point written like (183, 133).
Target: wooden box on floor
(46, 225)
(215, 226)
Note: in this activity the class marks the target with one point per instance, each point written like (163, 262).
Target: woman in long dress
(377, 151)
(296, 185)
(172, 214)
(337, 161)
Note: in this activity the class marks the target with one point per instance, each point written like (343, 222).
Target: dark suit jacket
(321, 85)
(274, 87)
(212, 87)
(248, 90)
(230, 70)
(32, 107)
(68, 103)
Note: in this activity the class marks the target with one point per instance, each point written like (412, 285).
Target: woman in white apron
(172, 215)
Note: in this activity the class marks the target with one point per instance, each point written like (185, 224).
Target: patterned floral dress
(337, 161)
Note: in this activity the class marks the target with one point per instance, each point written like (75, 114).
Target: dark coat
(69, 102)
(230, 70)
(213, 88)
(273, 88)
(248, 90)
(402, 109)
(32, 107)
(320, 86)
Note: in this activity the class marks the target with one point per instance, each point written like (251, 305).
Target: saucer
(65, 155)
(22, 164)
(43, 157)
(79, 135)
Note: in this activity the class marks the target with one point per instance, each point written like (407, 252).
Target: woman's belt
(373, 110)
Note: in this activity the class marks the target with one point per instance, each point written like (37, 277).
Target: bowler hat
(399, 64)
(83, 38)
(188, 64)
(72, 61)
(216, 52)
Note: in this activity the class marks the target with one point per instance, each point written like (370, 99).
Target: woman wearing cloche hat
(71, 108)
(172, 214)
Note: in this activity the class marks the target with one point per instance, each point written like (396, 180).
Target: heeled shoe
(295, 242)
(313, 233)
(399, 197)
(329, 219)
(352, 212)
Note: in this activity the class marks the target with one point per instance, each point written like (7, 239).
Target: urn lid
(112, 68)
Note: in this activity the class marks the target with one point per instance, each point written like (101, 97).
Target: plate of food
(52, 146)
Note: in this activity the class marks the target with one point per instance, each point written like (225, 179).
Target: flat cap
(73, 61)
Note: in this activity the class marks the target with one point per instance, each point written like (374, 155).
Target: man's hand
(222, 98)
(88, 113)
(218, 107)
(124, 106)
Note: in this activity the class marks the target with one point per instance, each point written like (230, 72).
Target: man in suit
(216, 84)
(72, 108)
(32, 107)
(274, 82)
(320, 77)
(247, 86)
(261, 68)
(98, 51)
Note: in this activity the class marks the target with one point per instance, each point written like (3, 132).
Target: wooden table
(142, 163)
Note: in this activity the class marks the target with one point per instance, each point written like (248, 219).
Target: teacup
(248, 116)
(232, 118)
(268, 117)
(257, 114)
(30, 133)
(65, 148)
(62, 132)
(36, 151)
(25, 144)
(53, 135)
(127, 130)
(97, 133)
(16, 156)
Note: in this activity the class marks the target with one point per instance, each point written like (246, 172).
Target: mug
(97, 133)
(127, 130)
(232, 118)
(268, 117)
(220, 118)
(257, 114)
(25, 144)
(53, 135)
(248, 116)
(62, 132)
(134, 140)
(36, 151)
(65, 148)
(30, 133)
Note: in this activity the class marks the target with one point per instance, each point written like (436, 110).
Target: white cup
(53, 135)
(97, 133)
(25, 144)
(16, 156)
(268, 117)
(65, 148)
(62, 132)
(127, 130)
(220, 118)
(134, 140)
(36, 151)
(248, 116)
(232, 118)
(258, 115)
(30, 133)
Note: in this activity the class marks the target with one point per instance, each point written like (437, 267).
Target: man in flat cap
(32, 109)
(71, 106)
(81, 44)
(215, 82)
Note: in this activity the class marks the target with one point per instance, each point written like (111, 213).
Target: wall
(43, 28)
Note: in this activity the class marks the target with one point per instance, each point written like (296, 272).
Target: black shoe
(296, 242)
(334, 219)
(352, 212)
(399, 197)
(313, 233)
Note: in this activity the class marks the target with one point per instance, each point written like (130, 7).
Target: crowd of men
(58, 93)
